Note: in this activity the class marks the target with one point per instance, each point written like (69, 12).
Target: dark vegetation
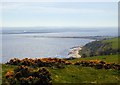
(103, 47)
(24, 75)
(44, 62)
(33, 71)
(98, 64)
(51, 62)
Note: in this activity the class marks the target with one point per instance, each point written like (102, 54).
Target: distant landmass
(103, 47)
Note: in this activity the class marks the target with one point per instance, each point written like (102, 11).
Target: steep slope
(103, 47)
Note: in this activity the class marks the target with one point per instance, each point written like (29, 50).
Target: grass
(78, 74)
(114, 42)
(107, 58)
(102, 47)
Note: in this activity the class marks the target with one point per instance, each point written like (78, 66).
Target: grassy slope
(103, 46)
(107, 58)
(78, 74)
(114, 42)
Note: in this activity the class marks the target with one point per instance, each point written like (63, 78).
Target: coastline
(74, 52)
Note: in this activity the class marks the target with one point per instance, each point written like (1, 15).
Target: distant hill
(102, 47)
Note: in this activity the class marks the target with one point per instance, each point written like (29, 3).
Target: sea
(46, 42)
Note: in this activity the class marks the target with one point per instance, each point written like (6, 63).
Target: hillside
(73, 73)
(102, 47)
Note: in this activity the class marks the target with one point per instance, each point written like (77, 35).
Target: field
(79, 74)
(107, 58)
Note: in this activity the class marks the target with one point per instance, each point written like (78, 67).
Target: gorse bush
(59, 63)
(24, 75)
(98, 64)
(44, 62)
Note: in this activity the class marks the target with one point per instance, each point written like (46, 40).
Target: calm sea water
(22, 45)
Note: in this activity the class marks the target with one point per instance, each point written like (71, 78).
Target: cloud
(48, 8)
(62, 14)
(11, 5)
(64, 10)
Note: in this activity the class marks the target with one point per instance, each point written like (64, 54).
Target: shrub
(99, 66)
(24, 75)
(14, 61)
(9, 74)
(77, 63)
(107, 66)
(116, 67)
(44, 62)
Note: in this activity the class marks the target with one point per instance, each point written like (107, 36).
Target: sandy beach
(74, 52)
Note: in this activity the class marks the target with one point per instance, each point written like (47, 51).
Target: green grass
(114, 42)
(107, 58)
(78, 74)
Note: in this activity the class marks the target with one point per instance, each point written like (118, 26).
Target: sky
(59, 14)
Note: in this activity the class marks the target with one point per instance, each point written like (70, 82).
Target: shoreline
(74, 52)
